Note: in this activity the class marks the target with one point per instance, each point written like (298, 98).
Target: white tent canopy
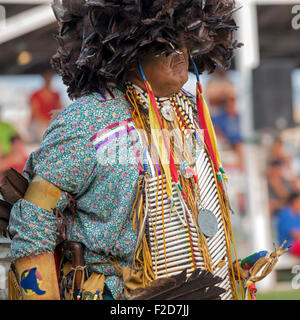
(27, 21)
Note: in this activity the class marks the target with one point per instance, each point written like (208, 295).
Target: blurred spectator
(227, 125)
(288, 224)
(278, 153)
(16, 158)
(7, 131)
(217, 89)
(279, 187)
(43, 102)
(221, 94)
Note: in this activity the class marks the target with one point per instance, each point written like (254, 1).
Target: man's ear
(132, 73)
(133, 67)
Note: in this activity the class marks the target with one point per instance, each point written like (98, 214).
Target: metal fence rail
(4, 266)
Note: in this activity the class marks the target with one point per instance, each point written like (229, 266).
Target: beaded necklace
(178, 105)
(163, 113)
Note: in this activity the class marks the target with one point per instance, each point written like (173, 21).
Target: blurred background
(255, 107)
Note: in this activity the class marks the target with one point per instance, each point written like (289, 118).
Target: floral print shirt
(91, 151)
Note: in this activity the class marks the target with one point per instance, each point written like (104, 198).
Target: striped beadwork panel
(173, 237)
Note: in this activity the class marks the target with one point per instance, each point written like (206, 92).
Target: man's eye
(174, 52)
(161, 54)
(169, 53)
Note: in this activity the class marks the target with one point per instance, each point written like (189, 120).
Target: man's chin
(183, 80)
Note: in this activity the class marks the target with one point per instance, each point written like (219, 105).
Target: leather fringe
(14, 290)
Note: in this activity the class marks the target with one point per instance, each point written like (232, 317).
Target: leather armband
(36, 278)
(43, 193)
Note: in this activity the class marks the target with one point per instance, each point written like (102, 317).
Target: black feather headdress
(100, 39)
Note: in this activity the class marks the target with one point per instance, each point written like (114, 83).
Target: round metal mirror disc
(168, 112)
(207, 223)
(183, 168)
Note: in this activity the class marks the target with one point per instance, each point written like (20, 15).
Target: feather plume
(3, 228)
(5, 208)
(200, 285)
(12, 187)
(99, 39)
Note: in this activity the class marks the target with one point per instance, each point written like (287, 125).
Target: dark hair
(292, 197)
(276, 163)
(15, 138)
(99, 39)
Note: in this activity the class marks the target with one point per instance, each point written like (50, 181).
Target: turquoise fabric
(103, 181)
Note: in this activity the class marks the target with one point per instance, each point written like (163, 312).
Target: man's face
(48, 76)
(166, 73)
(276, 170)
(296, 205)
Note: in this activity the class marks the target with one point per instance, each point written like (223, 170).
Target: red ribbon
(203, 124)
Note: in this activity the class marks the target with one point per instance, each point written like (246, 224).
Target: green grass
(279, 295)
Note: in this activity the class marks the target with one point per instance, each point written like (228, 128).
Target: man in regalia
(127, 186)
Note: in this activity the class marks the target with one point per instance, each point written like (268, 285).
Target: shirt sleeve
(285, 226)
(66, 158)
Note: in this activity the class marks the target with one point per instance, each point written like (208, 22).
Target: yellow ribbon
(158, 142)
